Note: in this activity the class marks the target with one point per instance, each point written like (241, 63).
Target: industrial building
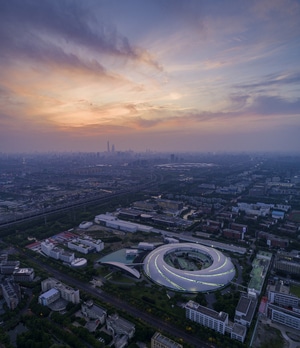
(111, 221)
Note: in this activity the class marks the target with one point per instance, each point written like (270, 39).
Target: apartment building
(206, 316)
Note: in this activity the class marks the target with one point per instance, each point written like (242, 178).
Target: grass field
(295, 216)
(295, 290)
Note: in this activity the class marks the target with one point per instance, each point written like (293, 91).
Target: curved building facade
(217, 274)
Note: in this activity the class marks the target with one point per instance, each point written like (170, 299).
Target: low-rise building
(238, 332)
(233, 234)
(49, 297)
(145, 246)
(86, 245)
(93, 312)
(283, 307)
(289, 263)
(11, 293)
(121, 329)
(238, 227)
(284, 316)
(76, 245)
(23, 275)
(272, 240)
(66, 256)
(8, 267)
(66, 292)
(279, 294)
(49, 249)
(160, 341)
(245, 310)
(216, 321)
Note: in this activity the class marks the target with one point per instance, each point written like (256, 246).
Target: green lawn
(295, 290)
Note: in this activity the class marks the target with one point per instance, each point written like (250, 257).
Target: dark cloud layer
(271, 105)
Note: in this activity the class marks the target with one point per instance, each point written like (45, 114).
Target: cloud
(285, 78)
(274, 105)
(27, 27)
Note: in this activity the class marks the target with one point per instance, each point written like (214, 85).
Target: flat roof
(207, 311)
(49, 293)
(165, 341)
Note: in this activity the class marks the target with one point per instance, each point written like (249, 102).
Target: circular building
(189, 267)
(79, 263)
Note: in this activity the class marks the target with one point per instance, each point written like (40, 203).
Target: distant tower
(108, 149)
(113, 148)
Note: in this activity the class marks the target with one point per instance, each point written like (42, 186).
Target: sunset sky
(160, 75)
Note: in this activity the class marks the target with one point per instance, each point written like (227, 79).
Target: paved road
(155, 322)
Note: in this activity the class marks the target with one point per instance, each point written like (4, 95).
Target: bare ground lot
(268, 336)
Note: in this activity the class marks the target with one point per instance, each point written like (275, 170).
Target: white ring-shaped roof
(212, 278)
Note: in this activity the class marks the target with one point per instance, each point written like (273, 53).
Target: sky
(151, 75)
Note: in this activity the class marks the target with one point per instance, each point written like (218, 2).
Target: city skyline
(162, 75)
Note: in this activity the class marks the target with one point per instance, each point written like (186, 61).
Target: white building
(284, 316)
(280, 294)
(49, 297)
(85, 225)
(94, 312)
(49, 249)
(66, 292)
(66, 256)
(283, 307)
(97, 244)
(121, 329)
(145, 246)
(86, 245)
(111, 221)
(238, 332)
(245, 310)
(80, 247)
(206, 316)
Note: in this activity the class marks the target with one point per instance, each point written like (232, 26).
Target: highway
(66, 207)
